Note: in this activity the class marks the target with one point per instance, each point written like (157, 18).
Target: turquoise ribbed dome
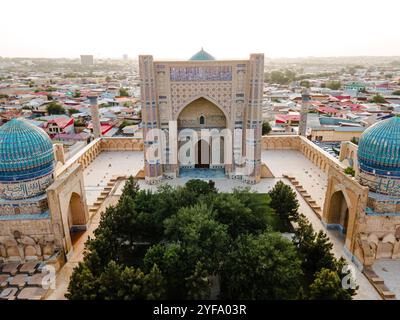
(202, 55)
(379, 148)
(26, 151)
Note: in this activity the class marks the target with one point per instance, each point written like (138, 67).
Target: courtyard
(124, 163)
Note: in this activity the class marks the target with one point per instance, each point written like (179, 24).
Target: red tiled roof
(62, 122)
(283, 118)
(343, 97)
(104, 127)
(327, 109)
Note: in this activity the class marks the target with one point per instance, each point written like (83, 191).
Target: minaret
(253, 126)
(94, 110)
(152, 164)
(305, 98)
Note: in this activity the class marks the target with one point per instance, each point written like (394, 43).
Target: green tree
(240, 218)
(378, 99)
(72, 111)
(350, 171)
(266, 128)
(327, 285)
(396, 92)
(203, 237)
(50, 89)
(55, 108)
(77, 94)
(200, 187)
(284, 202)
(83, 285)
(315, 251)
(333, 85)
(198, 284)
(305, 83)
(280, 77)
(314, 248)
(265, 266)
(175, 266)
(116, 283)
(354, 140)
(123, 92)
(131, 188)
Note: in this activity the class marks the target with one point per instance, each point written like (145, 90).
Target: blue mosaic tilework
(44, 215)
(26, 151)
(379, 148)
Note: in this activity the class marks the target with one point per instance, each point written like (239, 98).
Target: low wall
(311, 151)
(92, 150)
(348, 151)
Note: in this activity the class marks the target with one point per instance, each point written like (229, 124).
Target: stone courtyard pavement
(389, 271)
(106, 165)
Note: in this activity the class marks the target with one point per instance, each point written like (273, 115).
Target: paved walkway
(105, 166)
(389, 271)
(314, 180)
(63, 276)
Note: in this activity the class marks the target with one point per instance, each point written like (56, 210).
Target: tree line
(193, 242)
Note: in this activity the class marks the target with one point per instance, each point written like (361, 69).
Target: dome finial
(202, 55)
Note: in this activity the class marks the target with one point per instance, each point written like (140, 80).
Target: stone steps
(306, 196)
(104, 194)
(378, 284)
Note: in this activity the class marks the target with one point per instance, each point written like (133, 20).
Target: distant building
(87, 60)
(336, 133)
(61, 124)
(354, 86)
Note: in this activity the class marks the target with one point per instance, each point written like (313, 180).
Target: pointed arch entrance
(338, 214)
(76, 217)
(202, 115)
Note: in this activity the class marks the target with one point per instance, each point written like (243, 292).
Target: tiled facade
(235, 87)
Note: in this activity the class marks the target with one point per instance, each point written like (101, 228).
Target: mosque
(212, 106)
(45, 199)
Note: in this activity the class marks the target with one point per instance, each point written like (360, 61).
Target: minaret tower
(150, 120)
(305, 98)
(254, 119)
(94, 110)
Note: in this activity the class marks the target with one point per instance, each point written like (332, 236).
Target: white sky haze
(178, 28)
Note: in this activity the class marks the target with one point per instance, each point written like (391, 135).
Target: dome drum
(379, 157)
(26, 160)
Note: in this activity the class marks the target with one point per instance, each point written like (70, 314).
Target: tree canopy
(378, 99)
(285, 203)
(55, 108)
(333, 85)
(123, 92)
(193, 242)
(266, 128)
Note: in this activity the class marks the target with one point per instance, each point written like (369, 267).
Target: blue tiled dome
(379, 148)
(202, 55)
(26, 151)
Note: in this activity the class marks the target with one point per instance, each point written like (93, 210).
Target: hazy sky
(178, 28)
